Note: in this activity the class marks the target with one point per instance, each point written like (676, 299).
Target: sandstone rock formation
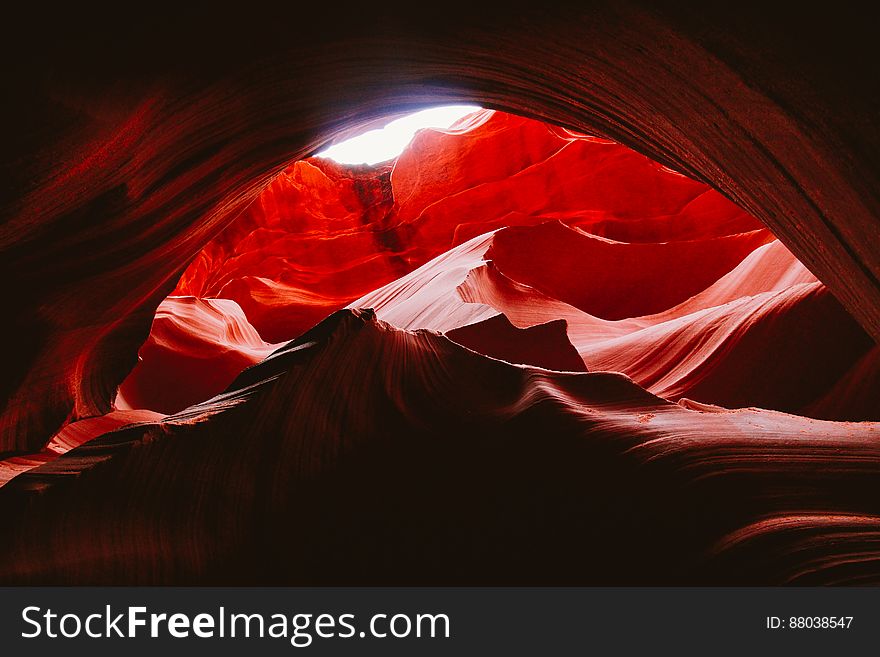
(630, 339)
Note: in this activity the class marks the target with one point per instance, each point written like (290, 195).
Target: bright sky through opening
(386, 143)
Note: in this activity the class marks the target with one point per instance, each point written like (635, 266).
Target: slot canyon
(617, 326)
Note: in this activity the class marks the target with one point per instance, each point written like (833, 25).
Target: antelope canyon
(530, 349)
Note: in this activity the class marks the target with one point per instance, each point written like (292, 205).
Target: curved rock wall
(130, 146)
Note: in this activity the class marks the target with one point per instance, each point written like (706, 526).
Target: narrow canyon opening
(524, 242)
(513, 354)
(521, 241)
(504, 300)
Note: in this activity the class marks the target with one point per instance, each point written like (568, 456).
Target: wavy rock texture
(720, 346)
(445, 438)
(440, 466)
(543, 376)
(322, 235)
(123, 158)
(72, 436)
(195, 349)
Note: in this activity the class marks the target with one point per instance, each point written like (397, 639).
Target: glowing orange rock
(195, 349)
(500, 232)
(322, 235)
(71, 436)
